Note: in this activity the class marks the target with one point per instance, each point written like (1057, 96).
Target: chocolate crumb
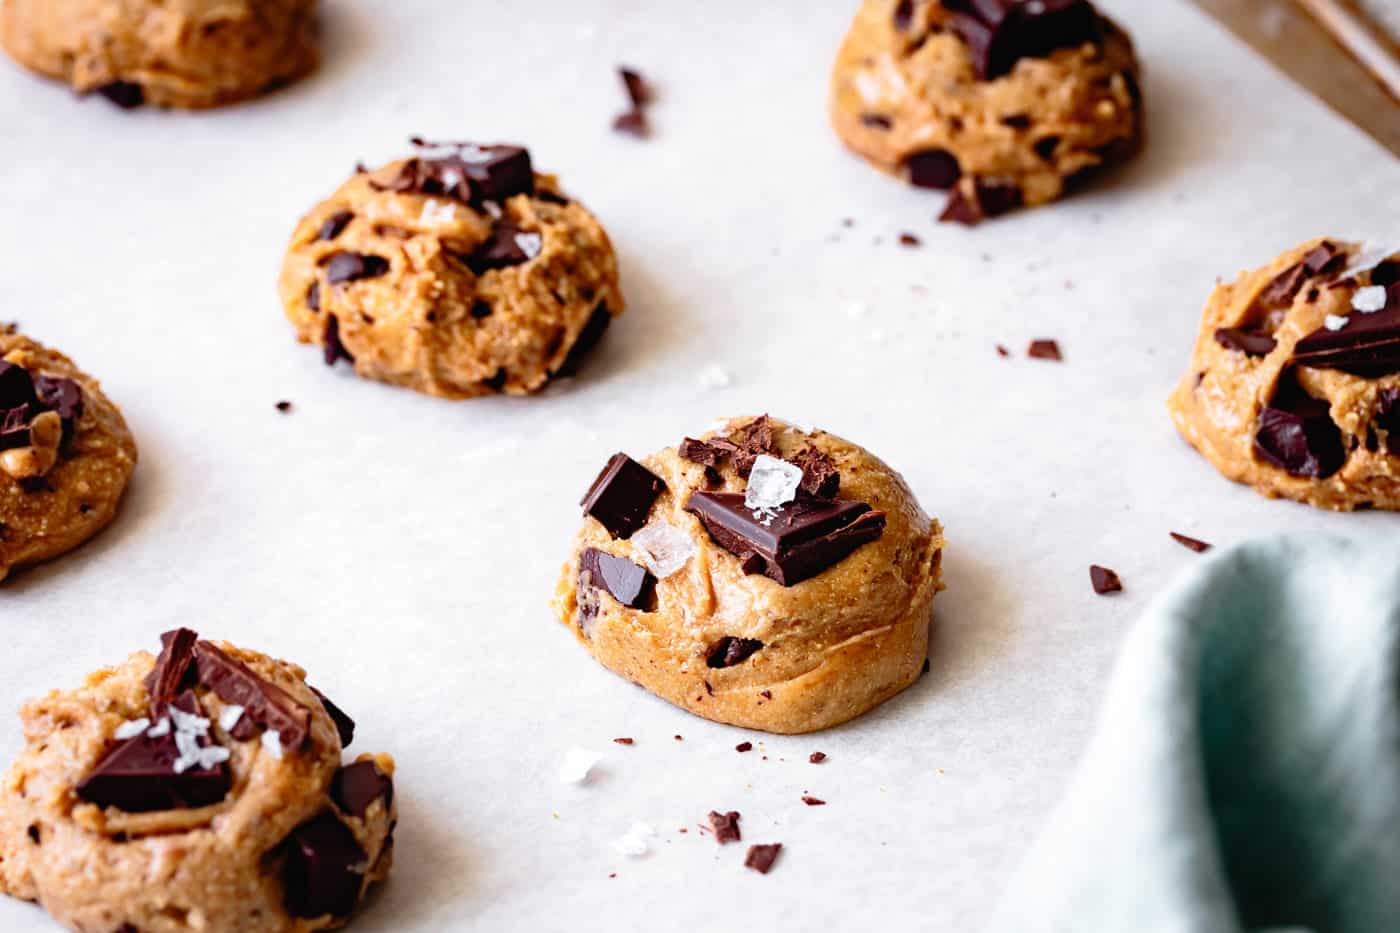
(725, 826)
(762, 857)
(908, 239)
(1002, 351)
(926, 666)
(1045, 350)
(1105, 581)
(766, 694)
(744, 747)
(125, 94)
(817, 758)
(34, 833)
(624, 741)
(332, 349)
(1192, 543)
(638, 91)
(813, 801)
(678, 738)
(284, 406)
(633, 123)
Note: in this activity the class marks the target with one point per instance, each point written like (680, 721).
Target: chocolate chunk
(817, 758)
(313, 296)
(1044, 350)
(1386, 274)
(500, 172)
(324, 868)
(587, 339)
(1017, 121)
(1000, 33)
(1193, 544)
(334, 224)
(481, 309)
(500, 250)
(344, 725)
(909, 239)
(1387, 418)
(1045, 147)
(933, 168)
(356, 786)
(633, 123)
(625, 740)
(331, 347)
(1284, 287)
(806, 536)
(497, 380)
(16, 386)
(903, 15)
(1368, 345)
(729, 651)
(762, 857)
(631, 585)
(622, 495)
(351, 267)
(636, 87)
(989, 199)
(744, 747)
(62, 396)
(708, 453)
(171, 673)
(725, 826)
(1104, 580)
(1297, 434)
(876, 121)
(14, 426)
(263, 702)
(820, 478)
(1248, 342)
(472, 174)
(752, 441)
(125, 94)
(138, 776)
(813, 801)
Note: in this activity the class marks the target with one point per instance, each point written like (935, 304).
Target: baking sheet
(404, 549)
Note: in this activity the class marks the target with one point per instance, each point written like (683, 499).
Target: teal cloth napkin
(1245, 774)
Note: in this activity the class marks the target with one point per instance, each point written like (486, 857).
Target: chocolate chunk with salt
(138, 776)
(1000, 33)
(762, 857)
(587, 339)
(933, 168)
(334, 225)
(750, 442)
(729, 651)
(470, 173)
(1296, 432)
(324, 868)
(622, 495)
(803, 539)
(1367, 345)
(499, 172)
(630, 584)
(263, 702)
(331, 347)
(125, 94)
(820, 478)
(988, 199)
(344, 725)
(355, 786)
(1104, 580)
(1248, 342)
(171, 673)
(725, 826)
(352, 267)
(500, 250)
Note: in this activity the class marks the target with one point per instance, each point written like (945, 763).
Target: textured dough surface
(182, 53)
(430, 323)
(1216, 407)
(80, 494)
(835, 645)
(212, 868)
(896, 93)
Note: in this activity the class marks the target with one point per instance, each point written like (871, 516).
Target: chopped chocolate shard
(355, 786)
(817, 758)
(313, 296)
(62, 396)
(804, 538)
(638, 92)
(172, 670)
(1387, 418)
(500, 250)
(1193, 544)
(1296, 432)
(1104, 581)
(1045, 147)
(587, 339)
(622, 495)
(334, 225)
(344, 725)
(324, 868)
(332, 349)
(1367, 345)
(630, 584)
(820, 478)
(263, 702)
(708, 453)
(1000, 33)
(125, 94)
(500, 172)
(813, 801)
(1284, 287)
(933, 168)
(1248, 342)
(283, 406)
(729, 651)
(744, 747)
(989, 199)
(16, 386)
(470, 173)
(14, 426)
(633, 123)
(1045, 350)
(750, 442)
(351, 267)
(876, 121)
(762, 857)
(725, 826)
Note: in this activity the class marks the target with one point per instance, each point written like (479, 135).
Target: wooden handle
(1363, 40)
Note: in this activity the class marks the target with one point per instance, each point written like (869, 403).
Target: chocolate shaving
(820, 478)
(263, 702)
(729, 651)
(1193, 544)
(1104, 581)
(725, 826)
(762, 857)
(622, 495)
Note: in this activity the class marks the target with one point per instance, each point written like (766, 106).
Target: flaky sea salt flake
(131, 728)
(530, 244)
(160, 728)
(229, 716)
(188, 722)
(772, 484)
(713, 376)
(1370, 299)
(436, 213)
(272, 743)
(1334, 322)
(665, 548)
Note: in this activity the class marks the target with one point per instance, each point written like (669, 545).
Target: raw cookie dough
(171, 53)
(766, 622)
(1009, 105)
(65, 454)
(200, 790)
(458, 272)
(1294, 386)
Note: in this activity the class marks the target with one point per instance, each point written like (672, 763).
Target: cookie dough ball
(1006, 102)
(765, 576)
(171, 53)
(458, 272)
(202, 789)
(1294, 385)
(65, 454)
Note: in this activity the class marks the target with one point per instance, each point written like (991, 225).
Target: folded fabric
(1245, 774)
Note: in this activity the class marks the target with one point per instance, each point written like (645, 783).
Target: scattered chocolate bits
(263, 702)
(813, 801)
(817, 758)
(125, 94)
(355, 786)
(630, 584)
(1104, 581)
(820, 478)
(1000, 33)
(622, 495)
(744, 747)
(1246, 341)
(1002, 351)
(729, 651)
(725, 826)
(351, 267)
(1193, 544)
(633, 123)
(988, 199)
(284, 406)
(1296, 432)
(909, 239)
(933, 168)
(623, 741)
(639, 94)
(334, 225)
(24, 396)
(332, 349)
(1045, 350)
(481, 309)
(762, 857)
(324, 868)
(1284, 287)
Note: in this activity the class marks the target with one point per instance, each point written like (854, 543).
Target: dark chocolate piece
(351, 267)
(633, 123)
(876, 121)
(1387, 418)
(500, 250)
(473, 174)
(1368, 345)
(1104, 581)
(1045, 147)
(14, 426)
(1200, 547)
(903, 15)
(725, 826)
(708, 453)
(481, 309)
(625, 740)
(803, 539)
(813, 801)
(762, 857)
(820, 478)
(729, 651)
(988, 199)
(263, 702)
(1284, 287)
(331, 347)
(355, 786)
(744, 747)
(630, 584)
(622, 495)
(324, 868)
(283, 406)
(638, 92)
(1248, 342)
(1000, 33)
(61, 396)
(125, 94)
(909, 239)
(751, 441)
(334, 225)
(16, 386)
(1016, 121)
(1296, 432)
(313, 296)
(497, 380)
(344, 725)
(817, 758)
(933, 168)
(500, 172)
(172, 669)
(587, 339)
(1044, 350)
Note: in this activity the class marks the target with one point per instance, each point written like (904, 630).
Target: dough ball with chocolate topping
(761, 575)
(170, 53)
(1006, 103)
(65, 454)
(457, 272)
(1294, 383)
(203, 789)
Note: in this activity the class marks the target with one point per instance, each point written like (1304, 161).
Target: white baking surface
(404, 549)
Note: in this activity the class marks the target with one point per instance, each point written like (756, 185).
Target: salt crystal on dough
(637, 840)
(578, 762)
(188, 722)
(272, 743)
(229, 716)
(1334, 322)
(131, 728)
(665, 548)
(530, 244)
(436, 213)
(1370, 299)
(772, 484)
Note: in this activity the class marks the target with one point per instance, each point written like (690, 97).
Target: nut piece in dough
(202, 789)
(171, 53)
(1008, 103)
(65, 454)
(766, 576)
(457, 272)
(1294, 385)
